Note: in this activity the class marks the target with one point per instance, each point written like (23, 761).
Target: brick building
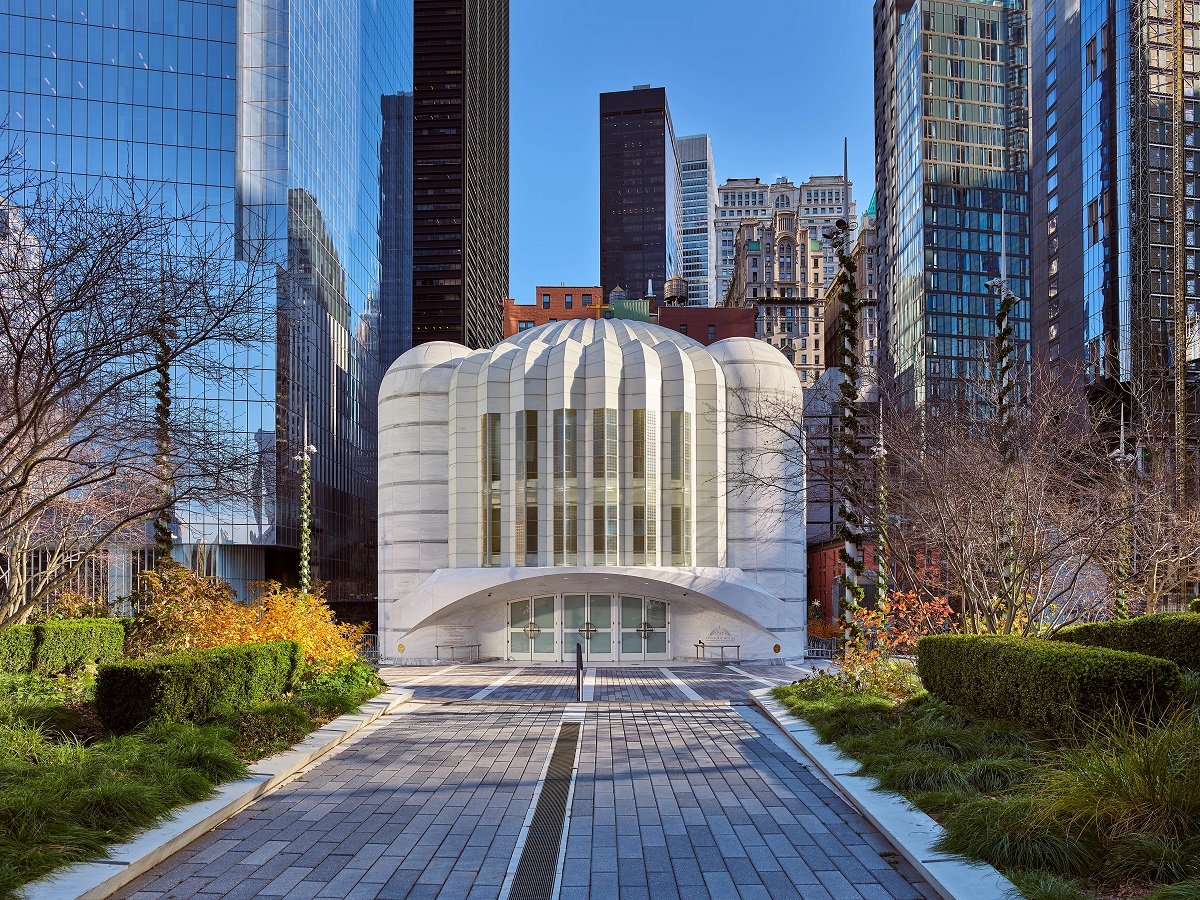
(708, 324)
(553, 304)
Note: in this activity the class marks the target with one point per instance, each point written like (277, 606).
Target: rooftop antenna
(846, 178)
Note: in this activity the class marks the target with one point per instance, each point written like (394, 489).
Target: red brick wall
(695, 321)
(515, 313)
(824, 568)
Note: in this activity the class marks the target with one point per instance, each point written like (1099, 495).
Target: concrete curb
(909, 830)
(125, 862)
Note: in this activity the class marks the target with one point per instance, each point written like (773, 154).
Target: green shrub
(1010, 832)
(63, 802)
(196, 685)
(60, 646)
(338, 691)
(1184, 890)
(267, 728)
(1128, 780)
(1044, 685)
(17, 646)
(1194, 606)
(68, 645)
(1173, 636)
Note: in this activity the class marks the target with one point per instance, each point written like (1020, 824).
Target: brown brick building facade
(708, 324)
(553, 304)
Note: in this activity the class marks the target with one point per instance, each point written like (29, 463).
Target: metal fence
(369, 648)
(821, 648)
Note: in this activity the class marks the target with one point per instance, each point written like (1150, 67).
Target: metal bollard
(578, 673)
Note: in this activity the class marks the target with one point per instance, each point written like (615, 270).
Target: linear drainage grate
(538, 866)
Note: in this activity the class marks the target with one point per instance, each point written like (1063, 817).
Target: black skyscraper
(460, 170)
(640, 191)
(395, 230)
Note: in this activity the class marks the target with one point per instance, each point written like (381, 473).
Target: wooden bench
(472, 650)
(703, 648)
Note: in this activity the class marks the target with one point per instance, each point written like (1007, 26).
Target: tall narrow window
(680, 488)
(605, 499)
(527, 487)
(489, 428)
(644, 468)
(566, 507)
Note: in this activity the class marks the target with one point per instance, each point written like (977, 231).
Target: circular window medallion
(777, 648)
(399, 648)
(532, 630)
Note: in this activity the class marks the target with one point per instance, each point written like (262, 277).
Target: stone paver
(716, 683)
(538, 684)
(634, 684)
(672, 799)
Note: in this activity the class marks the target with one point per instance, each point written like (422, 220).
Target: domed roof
(591, 331)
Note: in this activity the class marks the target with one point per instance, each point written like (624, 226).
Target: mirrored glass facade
(1104, 196)
(268, 118)
(952, 163)
(698, 182)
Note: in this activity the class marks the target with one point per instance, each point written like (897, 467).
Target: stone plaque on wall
(456, 635)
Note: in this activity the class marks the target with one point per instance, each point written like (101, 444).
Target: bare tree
(88, 277)
(1159, 550)
(1009, 518)
(1019, 520)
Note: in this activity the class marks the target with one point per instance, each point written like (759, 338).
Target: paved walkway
(673, 798)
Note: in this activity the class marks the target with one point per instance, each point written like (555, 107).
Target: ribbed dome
(590, 331)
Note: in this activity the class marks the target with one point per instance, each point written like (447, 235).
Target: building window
(683, 327)
(605, 496)
(566, 510)
(524, 325)
(545, 301)
(569, 301)
(587, 299)
(712, 332)
(489, 433)
(681, 488)
(527, 485)
(644, 488)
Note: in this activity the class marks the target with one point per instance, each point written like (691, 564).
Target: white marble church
(570, 485)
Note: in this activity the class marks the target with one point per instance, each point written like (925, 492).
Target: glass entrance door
(532, 632)
(643, 628)
(587, 620)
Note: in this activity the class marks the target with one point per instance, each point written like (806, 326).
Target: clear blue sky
(775, 83)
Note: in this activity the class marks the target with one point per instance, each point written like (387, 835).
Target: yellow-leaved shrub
(177, 609)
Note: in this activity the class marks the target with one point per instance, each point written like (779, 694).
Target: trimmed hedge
(1173, 636)
(52, 648)
(18, 643)
(1194, 606)
(195, 685)
(1044, 685)
(71, 644)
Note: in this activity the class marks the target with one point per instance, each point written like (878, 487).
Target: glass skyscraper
(698, 183)
(1103, 195)
(952, 161)
(274, 118)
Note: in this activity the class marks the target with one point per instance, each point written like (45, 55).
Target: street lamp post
(1006, 302)
(850, 528)
(305, 459)
(1123, 460)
